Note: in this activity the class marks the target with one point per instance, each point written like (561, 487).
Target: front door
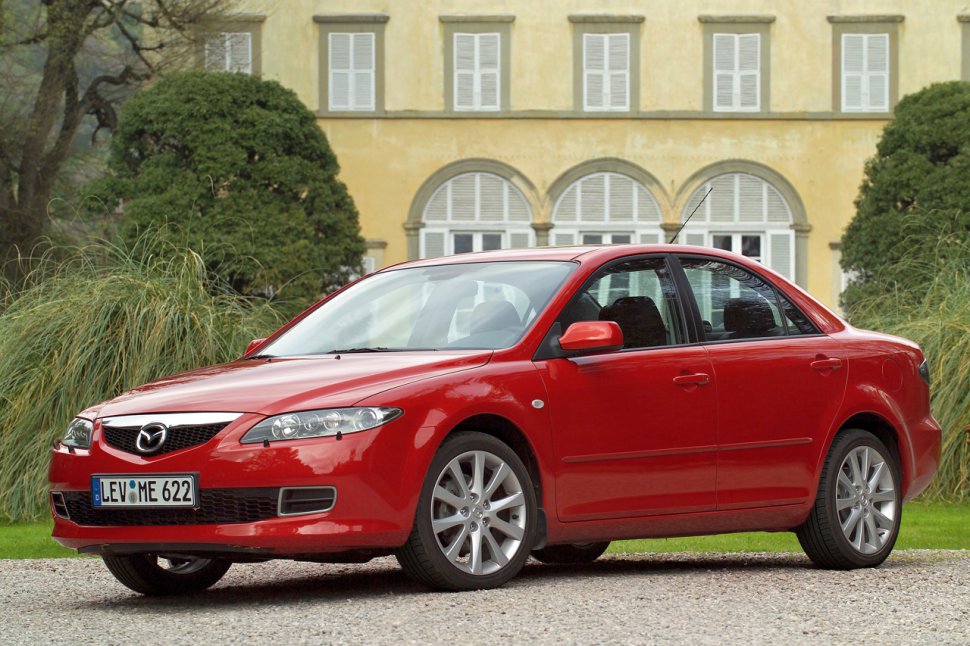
(634, 430)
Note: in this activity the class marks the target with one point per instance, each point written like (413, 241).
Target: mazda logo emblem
(151, 437)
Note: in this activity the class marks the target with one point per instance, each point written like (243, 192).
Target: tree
(916, 189)
(64, 62)
(237, 169)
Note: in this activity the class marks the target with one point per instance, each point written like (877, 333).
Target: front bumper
(376, 474)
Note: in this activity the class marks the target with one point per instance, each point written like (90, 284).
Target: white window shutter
(877, 67)
(340, 71)
(564, 238)
(519, 240)
(853, 72)
(215, 53)
(724, 70)
(749, 72)
(465, 71)
(464, 197)
(363, 66)
(433, 244)
(695, 239)
(240, 52)
(621, 198)
(649, 238)
(782, 259)
(491, 198)
(619, 71)
(489, 69)
(592, 202)
(594, 71)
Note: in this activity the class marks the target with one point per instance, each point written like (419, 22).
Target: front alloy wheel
(475, 519)
(855, 520)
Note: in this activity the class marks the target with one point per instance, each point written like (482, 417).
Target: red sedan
(463, 413)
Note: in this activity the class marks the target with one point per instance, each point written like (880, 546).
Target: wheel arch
(506, 431)
(886, 430)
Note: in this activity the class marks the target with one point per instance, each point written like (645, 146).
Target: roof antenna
(674, 239)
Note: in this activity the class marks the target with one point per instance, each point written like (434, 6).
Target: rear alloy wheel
(856, 516)
(156, 575)
(576, 553)
(476, 516)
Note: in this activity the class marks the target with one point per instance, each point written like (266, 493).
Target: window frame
(600, 24)
(251, 24)
(350, 24)
(501, 25)
(867, 25)
(737, 26)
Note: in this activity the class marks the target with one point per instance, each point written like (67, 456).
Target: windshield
(486, 305)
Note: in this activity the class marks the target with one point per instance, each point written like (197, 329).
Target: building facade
(473, 125)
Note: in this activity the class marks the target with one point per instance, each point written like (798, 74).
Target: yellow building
(474, 124)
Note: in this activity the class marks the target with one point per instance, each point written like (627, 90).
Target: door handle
(695, 379)
(825, 363)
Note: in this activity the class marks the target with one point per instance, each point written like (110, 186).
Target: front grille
(179, 437)
(217, 506)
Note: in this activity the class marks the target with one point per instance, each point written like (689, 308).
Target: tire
(145, 574)
(576, 553)
(475, 531)
(855, 520)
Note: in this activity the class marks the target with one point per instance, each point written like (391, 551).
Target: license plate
(144, 491)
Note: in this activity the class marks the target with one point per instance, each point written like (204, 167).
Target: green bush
(88, 328)
(240, 167)
(921, 173)
(937, 316)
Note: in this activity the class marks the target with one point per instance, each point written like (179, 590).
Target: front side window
(865, 72)
(487, 305)
(606, 72)
(477, 68)
(737, 72)
(639, 296)
(352, 71)
(229, 52)
(735, 304)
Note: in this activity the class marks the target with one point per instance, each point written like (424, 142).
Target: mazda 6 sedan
(464, 413)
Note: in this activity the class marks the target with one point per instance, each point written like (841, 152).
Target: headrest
(490, 316)
(748, 317)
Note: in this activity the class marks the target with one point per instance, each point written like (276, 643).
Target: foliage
(65, 65)
(241, 167)
(921, 171)
(87, 329)
(937, 316)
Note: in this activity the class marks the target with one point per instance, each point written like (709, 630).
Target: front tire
(476, 516)
(855, 520)
(152, 575)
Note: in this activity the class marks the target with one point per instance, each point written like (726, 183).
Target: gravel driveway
(918, 597)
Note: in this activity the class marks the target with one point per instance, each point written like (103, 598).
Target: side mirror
(587, 337)
(255, 343)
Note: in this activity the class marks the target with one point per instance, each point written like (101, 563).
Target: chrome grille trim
(171, 420)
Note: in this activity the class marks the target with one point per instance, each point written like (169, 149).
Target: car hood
(270, 387)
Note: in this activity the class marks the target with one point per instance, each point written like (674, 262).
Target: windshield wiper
(260, 356)
(378, 349)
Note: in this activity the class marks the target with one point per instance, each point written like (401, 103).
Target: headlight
(78, 434)
(320, 423)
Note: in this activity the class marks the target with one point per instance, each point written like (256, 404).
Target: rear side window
(735, 304)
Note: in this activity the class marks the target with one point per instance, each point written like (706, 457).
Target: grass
(85, 329)
(925, 526)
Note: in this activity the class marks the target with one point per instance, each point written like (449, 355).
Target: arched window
(475, 212)
(746, 215)
(606, 208)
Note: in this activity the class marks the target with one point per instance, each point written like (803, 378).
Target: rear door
(780, 382)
